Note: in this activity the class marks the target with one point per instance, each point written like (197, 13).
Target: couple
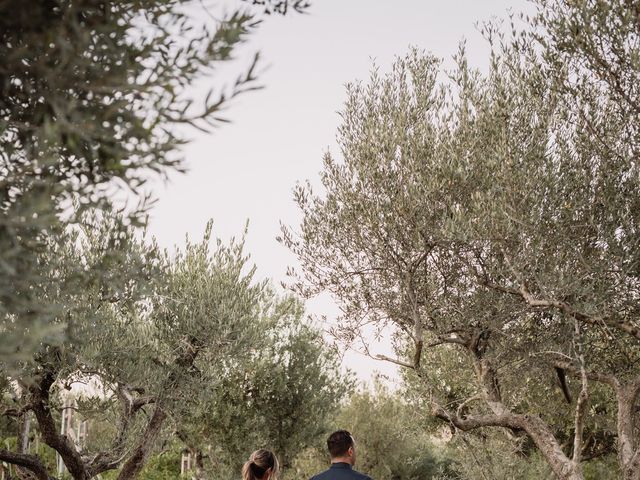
(263, 464)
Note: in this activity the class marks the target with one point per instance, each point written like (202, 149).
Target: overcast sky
(247, 169)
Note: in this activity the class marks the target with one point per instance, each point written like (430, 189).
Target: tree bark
(26, 461)
(535, 427)
(628, 450)
(49, 430)
(110, 459)
(136, 461)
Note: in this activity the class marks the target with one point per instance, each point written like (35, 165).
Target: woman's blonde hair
(259, 462)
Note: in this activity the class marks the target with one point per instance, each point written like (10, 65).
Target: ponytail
(259, 462)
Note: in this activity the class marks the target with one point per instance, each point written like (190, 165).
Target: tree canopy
(92, 95)
(497, 215)
(187, 345)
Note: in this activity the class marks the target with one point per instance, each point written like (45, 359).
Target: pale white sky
(247, 169)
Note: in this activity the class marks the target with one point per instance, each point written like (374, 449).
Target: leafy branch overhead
(92, 95)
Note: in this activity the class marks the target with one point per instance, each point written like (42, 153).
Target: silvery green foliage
(391, 442)
(153, 336)
(93, 95)
(497, 215)
(282, 397)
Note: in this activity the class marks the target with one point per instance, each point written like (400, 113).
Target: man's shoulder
(329, 474)
(362, 476)
(359, 476)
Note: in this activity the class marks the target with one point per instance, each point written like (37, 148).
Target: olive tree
(496, 215)
(281, 398)
(92, 97)
(391, 441)
(163, 334)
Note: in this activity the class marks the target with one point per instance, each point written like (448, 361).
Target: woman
(262, 465)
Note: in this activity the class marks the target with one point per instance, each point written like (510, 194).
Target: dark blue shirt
(340, 471)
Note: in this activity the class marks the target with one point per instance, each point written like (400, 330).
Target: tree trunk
(200, 473)
(544, 439)
(40, 396)
(628, 450)
(138, 458)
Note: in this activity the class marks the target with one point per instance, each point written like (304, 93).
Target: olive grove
(492, 219)
(96, 97)
(185, 346)
(159, 348)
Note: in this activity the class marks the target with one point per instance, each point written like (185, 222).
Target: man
(342, 449)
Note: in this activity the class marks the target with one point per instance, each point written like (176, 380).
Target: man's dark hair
(339, 442)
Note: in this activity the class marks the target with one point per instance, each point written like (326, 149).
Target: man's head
(342, 447)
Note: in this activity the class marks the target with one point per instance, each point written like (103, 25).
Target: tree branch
(564, 307)
(24, 460)
(417, 323)
(472, 422)
(48, 429)
(581, 404)
(535, 427)
(142, 450)
(135, 462)
(396, 361)
(633, 465)
(108, 460)
(570, 367)
(16, 412)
